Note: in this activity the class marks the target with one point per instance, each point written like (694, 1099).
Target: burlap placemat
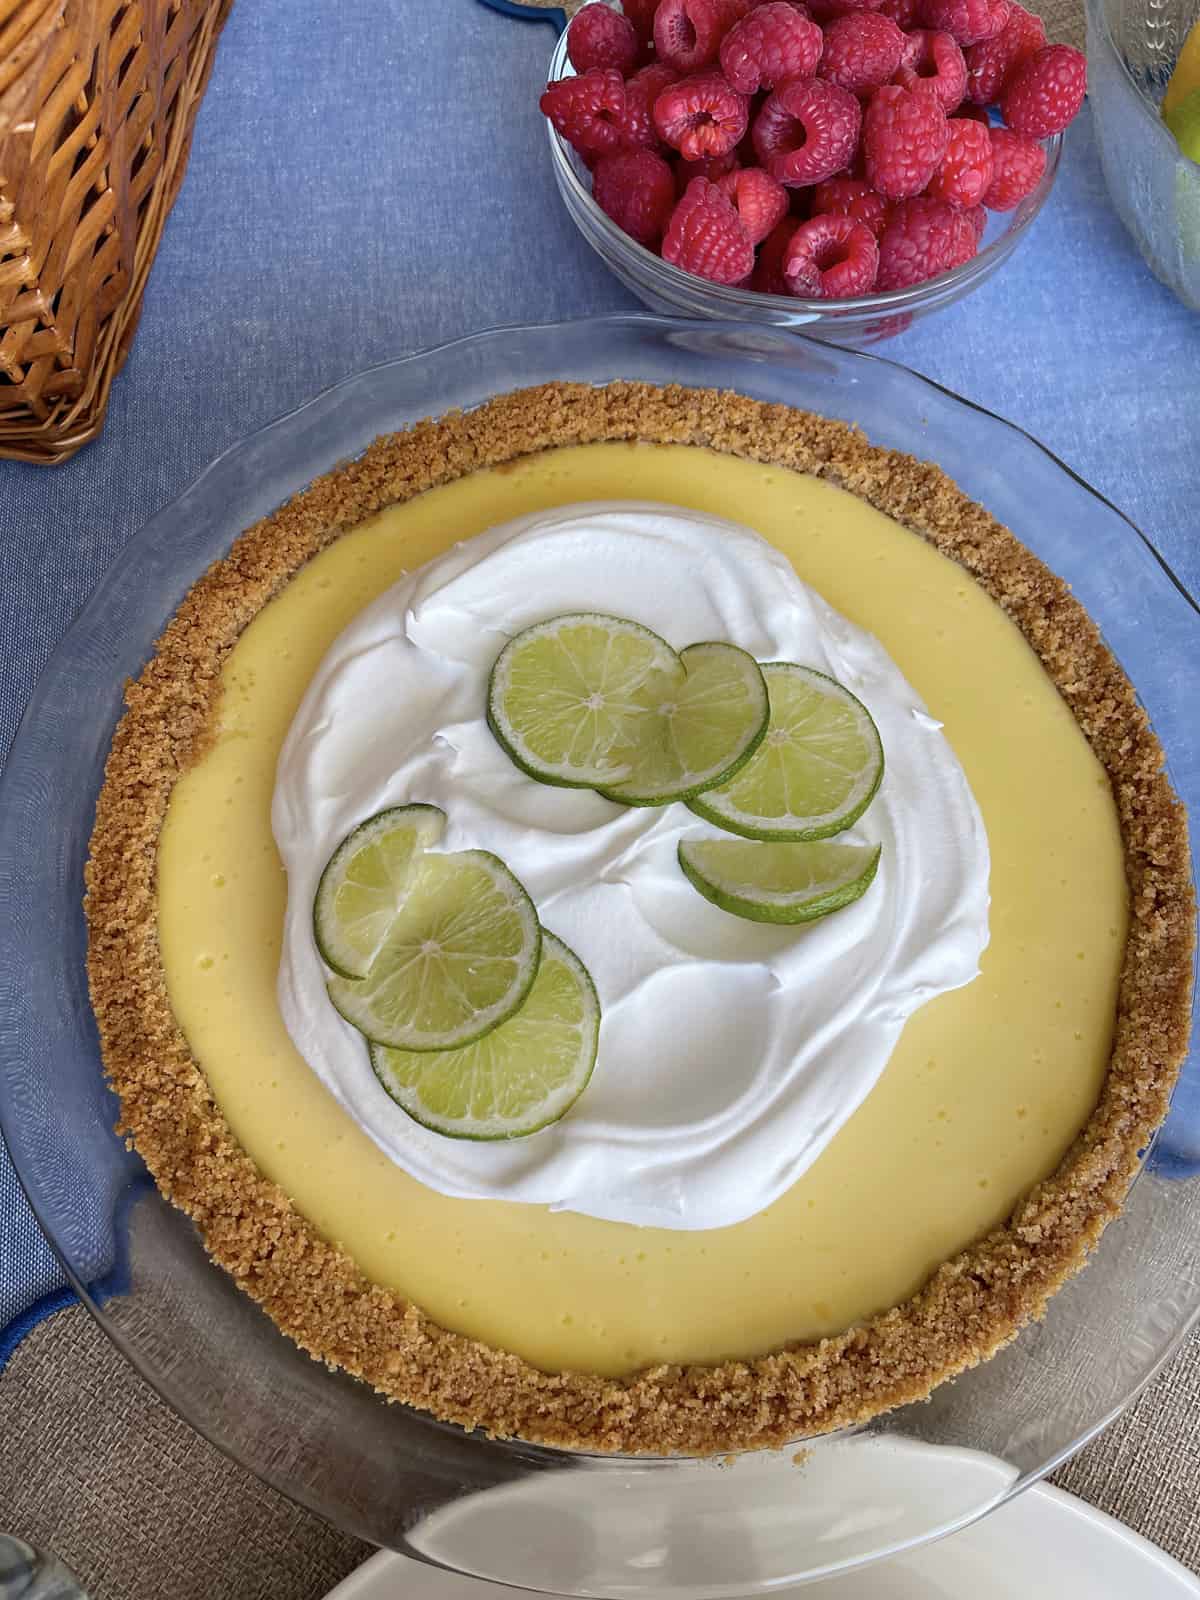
(94, 1466)
(1065, 23)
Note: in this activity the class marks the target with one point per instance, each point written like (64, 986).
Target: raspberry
(768, 270)
(601, 37)
(1018, 165)
(850, 197)
(636, 188)
(862, 51)
(825, 10)
(807, 131)
(902, 12)
(966, 239)
(771, 43)
(857, 167)
(977, 217)
(968, 20)
(758, 199)
(687, 33)
(1045, 91)
(887, 327)
(965, 172)
(711, 167)
(701, 116)
(828, 258)
(904, 138)
(991, 61)
(636, 122)
(923, 237)
(641, 14)
(914, 49)
(934, 62)
(706, 236)
(586, 109)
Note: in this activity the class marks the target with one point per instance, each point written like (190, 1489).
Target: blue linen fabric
(370, 178)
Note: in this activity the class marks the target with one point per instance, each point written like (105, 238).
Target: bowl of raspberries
(841, 166)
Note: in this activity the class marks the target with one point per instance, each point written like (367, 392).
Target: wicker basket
(97, 102)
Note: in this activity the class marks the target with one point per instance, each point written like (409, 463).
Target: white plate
(1044, 1545)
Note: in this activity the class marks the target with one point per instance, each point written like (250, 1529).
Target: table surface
(366, 180)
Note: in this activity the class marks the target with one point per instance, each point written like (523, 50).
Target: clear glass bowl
(1132, 47)
(538, 1518)
(862, 320)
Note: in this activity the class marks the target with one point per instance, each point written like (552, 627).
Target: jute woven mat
(98, 1469)
(1064, 21)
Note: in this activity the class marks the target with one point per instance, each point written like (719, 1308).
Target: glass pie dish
(529, 1516)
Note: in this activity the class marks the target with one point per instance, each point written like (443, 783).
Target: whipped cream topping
(730, 1052)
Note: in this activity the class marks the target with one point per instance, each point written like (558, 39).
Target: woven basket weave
(97, 102)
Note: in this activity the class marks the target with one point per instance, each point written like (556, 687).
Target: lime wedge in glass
(522, 1076)
(365, 882)
(816, 771)
(705, 726)
(459, 958)
(782, 883)
(566, 693)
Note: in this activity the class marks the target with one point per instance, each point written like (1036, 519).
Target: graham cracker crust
(973, 1304)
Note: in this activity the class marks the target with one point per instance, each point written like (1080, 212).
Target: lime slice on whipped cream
(566, 694)
(459, 958)
(705, 724)
(519, 1078)
(815, 772)
(780, 883)
(600, 702)
(365, 882)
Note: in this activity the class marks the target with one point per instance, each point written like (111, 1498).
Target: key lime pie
(633, 919)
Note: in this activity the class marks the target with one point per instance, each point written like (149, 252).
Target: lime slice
(704, 727)
(816, 771)
(523, 1076)
(458, 960)
(365, 882)
(778, 882)
(1185, 77)
(564, 694)
(1184, 123)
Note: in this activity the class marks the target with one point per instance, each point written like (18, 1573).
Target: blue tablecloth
(372, 177)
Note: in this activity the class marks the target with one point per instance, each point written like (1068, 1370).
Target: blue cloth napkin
(32, 1284)
(366, 180)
